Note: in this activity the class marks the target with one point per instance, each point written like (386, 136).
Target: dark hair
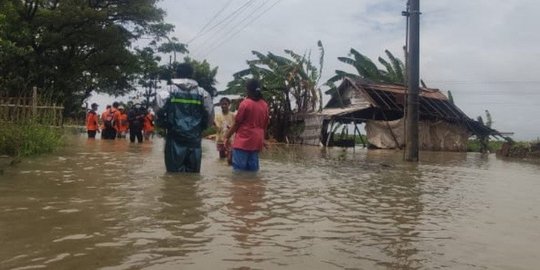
(184, 71)
(225, 99)
(115, 104)
(254, 90)
(94, 105)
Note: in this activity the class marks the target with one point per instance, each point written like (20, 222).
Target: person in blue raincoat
(184, 112)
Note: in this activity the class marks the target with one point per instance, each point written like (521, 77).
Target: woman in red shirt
(250, 126)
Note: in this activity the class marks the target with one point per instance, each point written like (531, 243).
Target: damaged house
(442, 127)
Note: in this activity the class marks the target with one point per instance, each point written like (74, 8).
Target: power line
(223, 32)
(240, 30)
(226, 27)
(233, 29)
(242, 7)
(215, 16)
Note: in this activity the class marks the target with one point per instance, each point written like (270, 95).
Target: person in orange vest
(123, 124)
(148, 125)
(110, 122)
(92, 122)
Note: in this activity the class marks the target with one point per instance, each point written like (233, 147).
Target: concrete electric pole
(413, 80)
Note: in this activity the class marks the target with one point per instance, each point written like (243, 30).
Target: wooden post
(18, 109)
(354, 135)
(61, 115)
(34, 102)
(54, 115)
(330, 133)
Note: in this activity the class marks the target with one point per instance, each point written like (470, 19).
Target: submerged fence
(24, 108)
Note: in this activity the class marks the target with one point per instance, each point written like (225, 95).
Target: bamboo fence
(24, 108)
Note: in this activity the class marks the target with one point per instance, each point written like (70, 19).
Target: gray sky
(485, 51)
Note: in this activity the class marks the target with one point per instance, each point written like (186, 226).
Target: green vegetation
(291, 85)
(476, 145)
(29, 138)
(394, 71)
(358, 140)
(204, 74)
(521, 149)
(483, 141)
(70, 48)
(209, 131)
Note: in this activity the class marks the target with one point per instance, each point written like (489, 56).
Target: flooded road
(110, 205)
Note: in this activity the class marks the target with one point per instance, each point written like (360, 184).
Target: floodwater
(110, 205)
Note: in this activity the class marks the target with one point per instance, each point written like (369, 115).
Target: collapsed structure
(442, 125)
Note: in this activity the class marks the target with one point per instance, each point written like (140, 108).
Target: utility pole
(413, 81)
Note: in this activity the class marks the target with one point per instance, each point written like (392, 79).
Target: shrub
(474, 146)
(28, 138)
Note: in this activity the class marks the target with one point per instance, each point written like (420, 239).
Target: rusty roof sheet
(402, 90)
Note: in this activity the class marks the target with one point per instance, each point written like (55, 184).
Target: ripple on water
(28, 267)
(156, 233)
(73, 237)
(121, 243)
(58, 257)
(69, 211)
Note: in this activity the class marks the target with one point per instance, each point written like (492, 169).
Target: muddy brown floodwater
(110, 205)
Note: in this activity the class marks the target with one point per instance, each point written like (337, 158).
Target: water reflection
(247, 209)
(398, 206)
(182, 213)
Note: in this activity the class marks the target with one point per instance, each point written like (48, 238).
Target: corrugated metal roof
(402, 90)
(343, 111)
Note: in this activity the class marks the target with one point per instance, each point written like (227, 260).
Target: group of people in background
(183, 112)
(115, 122)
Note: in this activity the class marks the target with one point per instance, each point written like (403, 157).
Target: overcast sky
(487, 52)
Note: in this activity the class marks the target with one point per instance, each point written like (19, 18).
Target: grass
(28, 138)
(493, 146)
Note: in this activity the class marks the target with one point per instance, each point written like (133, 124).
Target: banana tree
(366, 69)
(291, 85)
